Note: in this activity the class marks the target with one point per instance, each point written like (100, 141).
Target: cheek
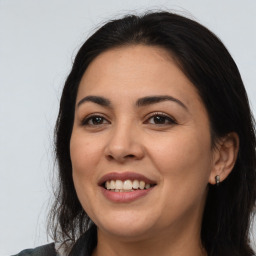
(84, 153)
(184, 163)
(184, 157)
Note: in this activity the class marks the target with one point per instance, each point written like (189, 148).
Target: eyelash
(85, 122)
(170, 120)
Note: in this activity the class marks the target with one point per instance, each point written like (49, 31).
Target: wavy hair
(208, 65)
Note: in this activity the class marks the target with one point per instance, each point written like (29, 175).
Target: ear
(224, 157)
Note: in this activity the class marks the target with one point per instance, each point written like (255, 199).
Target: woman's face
(139, 120)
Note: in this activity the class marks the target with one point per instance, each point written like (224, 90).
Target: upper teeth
(126, 185)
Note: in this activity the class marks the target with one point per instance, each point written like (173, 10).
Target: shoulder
(83, 246)
(45, 250)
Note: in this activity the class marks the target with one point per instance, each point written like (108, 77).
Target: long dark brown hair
(208, 65)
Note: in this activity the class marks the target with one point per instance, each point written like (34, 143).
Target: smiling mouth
(126, 185)
(126, 182)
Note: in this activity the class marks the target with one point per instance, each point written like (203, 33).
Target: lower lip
(125, 197)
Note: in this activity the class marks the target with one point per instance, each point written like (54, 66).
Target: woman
(155, 144)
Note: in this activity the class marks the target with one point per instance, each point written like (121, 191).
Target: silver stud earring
(217, 180)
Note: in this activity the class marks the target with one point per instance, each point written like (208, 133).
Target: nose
(124, 144)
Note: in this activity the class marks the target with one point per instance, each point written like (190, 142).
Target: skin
(177, 155)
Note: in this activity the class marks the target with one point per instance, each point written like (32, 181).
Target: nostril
(120, 158)
(130, 156)
(110, 157)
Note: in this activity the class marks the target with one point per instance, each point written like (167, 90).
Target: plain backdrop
(38, 41)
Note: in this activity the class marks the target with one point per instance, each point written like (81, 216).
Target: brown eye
(94, 120)
(161, 119)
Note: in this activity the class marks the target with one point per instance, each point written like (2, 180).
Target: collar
(85, 245)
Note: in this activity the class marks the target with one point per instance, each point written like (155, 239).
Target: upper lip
(124, 176)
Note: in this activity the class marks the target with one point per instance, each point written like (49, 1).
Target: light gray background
(38, 40)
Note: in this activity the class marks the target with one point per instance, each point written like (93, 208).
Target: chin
(126, 226)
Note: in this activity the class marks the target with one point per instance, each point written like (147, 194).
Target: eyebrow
(96, 99)
(158, 98)
(145, 101)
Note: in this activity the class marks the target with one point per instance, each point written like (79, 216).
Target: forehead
(134, 71)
